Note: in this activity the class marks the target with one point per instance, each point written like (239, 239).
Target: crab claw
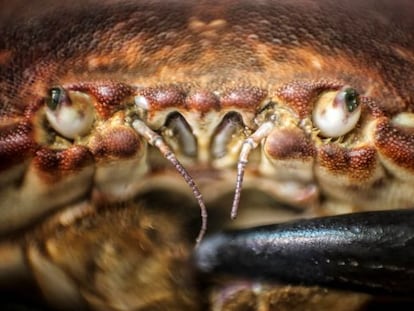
(370, 252)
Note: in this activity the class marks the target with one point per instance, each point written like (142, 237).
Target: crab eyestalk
(337, 113)
(70, 113)
(158, 142)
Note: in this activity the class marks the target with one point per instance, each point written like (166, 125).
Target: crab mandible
(308, 103)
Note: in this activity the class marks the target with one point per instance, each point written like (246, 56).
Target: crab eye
(351, 99)
(337, 113)
(70, 113)
(55, 96)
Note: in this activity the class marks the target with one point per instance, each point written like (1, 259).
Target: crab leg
(369, 252)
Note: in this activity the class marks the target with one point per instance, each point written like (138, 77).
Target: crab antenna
(158, 142)
(249, 144)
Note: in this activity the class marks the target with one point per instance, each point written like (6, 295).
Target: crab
(119, 118)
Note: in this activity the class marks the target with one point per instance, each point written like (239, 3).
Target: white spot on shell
(207, 29)
(141, 102)
(404, 119)
(316, 63)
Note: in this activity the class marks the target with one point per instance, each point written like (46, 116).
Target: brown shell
(203, 60)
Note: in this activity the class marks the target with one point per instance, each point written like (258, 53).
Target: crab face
(109, 113)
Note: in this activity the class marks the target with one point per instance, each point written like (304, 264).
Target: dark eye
(55, 97)
(351, 99)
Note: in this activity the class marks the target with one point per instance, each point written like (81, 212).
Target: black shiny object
(351, 99)
(54, 98)
(372, 252)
